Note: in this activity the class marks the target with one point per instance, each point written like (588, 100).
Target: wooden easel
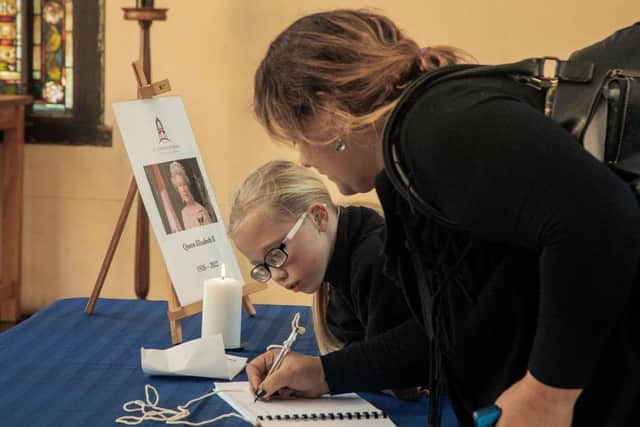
(176, 312)
(145, 16)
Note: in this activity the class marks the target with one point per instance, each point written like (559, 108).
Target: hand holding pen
(284, 349)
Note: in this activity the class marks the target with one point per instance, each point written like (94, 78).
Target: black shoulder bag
(595, 95)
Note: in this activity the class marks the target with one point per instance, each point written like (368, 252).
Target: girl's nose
(278, 274)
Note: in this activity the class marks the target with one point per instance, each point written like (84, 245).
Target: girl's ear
(319, 214)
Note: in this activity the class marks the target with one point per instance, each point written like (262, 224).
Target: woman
(523, 271)
(193, 213)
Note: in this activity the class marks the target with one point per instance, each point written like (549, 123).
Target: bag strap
(543, 73)
(544, 68)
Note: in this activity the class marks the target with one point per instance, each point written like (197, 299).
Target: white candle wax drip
(221, 309)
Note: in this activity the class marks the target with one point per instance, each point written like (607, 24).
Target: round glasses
(276, 257)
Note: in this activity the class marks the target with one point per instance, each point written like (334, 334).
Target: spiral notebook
(344, 409)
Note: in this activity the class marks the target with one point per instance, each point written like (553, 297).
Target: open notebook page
(240, 397)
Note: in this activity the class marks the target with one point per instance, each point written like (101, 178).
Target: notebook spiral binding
(325, 416)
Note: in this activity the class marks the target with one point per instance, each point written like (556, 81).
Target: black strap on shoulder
(534, 71)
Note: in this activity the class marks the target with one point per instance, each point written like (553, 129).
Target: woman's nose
(303, 159)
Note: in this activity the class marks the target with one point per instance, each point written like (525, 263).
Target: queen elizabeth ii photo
(180, 195)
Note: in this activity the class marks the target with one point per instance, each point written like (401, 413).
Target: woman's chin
(345, 189)
(348, 190)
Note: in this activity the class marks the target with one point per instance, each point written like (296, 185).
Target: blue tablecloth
(62, 367)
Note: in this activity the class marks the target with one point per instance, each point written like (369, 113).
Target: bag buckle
(547, 79)
(544, 74)
(549, 68)
(547, 72)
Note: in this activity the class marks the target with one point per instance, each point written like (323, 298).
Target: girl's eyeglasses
(276, 257)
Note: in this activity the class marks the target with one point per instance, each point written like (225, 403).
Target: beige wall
(209, 50)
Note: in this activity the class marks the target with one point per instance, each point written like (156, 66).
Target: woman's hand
(530, 403)
(298, 375)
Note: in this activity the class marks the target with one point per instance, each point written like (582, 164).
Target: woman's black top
(539, 274)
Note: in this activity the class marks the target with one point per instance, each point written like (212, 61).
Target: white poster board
(176, 192)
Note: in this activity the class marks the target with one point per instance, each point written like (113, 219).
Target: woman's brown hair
(352, 63)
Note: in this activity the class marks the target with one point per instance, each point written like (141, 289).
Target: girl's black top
(363, 302)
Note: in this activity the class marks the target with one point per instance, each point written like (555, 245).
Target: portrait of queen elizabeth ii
(180, 195)
(193, 213)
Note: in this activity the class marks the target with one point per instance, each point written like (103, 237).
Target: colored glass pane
(10, 46)
(68, 54)
(36, 61)
(37, 32)
(69, 87)
(52, 83)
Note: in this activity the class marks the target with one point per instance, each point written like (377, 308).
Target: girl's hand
(530, 403)
(299, 375)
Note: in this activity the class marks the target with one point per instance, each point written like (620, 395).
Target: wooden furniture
(12, 109)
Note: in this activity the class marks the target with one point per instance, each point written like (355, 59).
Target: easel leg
(174, 325)
(117, 233)
(141, 273)
(141, 279)
(176, 331)
(248, 306)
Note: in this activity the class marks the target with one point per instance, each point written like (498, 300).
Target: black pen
(259, 394)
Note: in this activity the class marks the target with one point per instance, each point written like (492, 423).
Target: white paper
(371, 422)
(202, 357)
(166, 162)
(240, 397)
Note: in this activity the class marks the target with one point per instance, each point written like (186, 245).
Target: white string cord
(151, 411)
(286, 344)
(178, 415)
(274, 347)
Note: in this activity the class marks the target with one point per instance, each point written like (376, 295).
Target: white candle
(221, 309)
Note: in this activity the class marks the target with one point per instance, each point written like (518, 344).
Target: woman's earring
(340, 145)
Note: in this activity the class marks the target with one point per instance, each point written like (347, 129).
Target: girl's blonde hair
(352, 63)
(327, 342)
(282, 191)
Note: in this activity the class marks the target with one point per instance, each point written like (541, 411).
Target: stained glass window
(53, 50)
(10, 46)
(52, 62)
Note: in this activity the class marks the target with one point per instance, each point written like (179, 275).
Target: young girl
(284, 221)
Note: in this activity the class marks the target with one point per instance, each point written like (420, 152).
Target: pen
(487, 416)
(276, 364)
(284, 349)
